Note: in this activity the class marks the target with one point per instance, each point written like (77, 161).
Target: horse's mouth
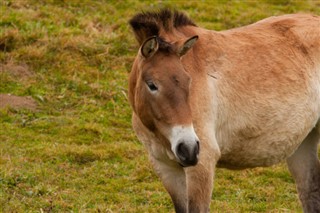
(188, 164)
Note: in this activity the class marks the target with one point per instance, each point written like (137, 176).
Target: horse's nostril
(182, 151)
(188, 153)
(197, 149)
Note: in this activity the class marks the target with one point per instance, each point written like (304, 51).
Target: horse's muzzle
(188, 153)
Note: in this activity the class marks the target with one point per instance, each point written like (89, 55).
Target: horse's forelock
(148, 24)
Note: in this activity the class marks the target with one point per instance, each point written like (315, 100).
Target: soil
(18, 71)
(22, 73)
(18, 102)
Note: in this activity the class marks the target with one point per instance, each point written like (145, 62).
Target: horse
(241, 98)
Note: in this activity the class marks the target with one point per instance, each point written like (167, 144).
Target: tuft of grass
(77, 152)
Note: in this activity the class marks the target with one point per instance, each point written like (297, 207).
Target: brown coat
(239, 98)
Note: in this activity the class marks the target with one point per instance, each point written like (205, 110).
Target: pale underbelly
(259, 152)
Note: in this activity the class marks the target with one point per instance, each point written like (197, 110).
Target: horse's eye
(151, 86)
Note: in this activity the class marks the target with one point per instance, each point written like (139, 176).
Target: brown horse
(240, 98)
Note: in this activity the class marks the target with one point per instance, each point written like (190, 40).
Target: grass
(77, 151)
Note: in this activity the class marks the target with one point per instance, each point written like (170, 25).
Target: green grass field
(76, 151)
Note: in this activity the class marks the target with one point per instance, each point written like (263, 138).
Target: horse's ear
(149, 47)
(188, 44)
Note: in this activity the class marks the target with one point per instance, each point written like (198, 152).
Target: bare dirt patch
(18, 102)
(19, 71)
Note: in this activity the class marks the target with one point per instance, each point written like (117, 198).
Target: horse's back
(300, 27)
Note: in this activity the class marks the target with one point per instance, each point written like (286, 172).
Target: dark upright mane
(148, 24)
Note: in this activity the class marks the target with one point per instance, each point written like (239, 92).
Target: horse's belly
(264, 150)
(249, 157)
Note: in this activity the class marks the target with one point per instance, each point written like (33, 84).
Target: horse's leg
(199, 187)
(174, 180)
(305, 167)
(200, 180)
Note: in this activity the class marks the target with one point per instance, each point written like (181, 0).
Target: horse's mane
(148, 24)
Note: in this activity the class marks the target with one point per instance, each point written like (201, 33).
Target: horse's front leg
(200, 182)
(173, 178)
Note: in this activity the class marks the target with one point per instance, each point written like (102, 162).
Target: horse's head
(159, 95)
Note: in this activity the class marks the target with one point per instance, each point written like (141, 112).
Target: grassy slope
(78, 152)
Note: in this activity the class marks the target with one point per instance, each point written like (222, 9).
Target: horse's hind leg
(305, 167)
